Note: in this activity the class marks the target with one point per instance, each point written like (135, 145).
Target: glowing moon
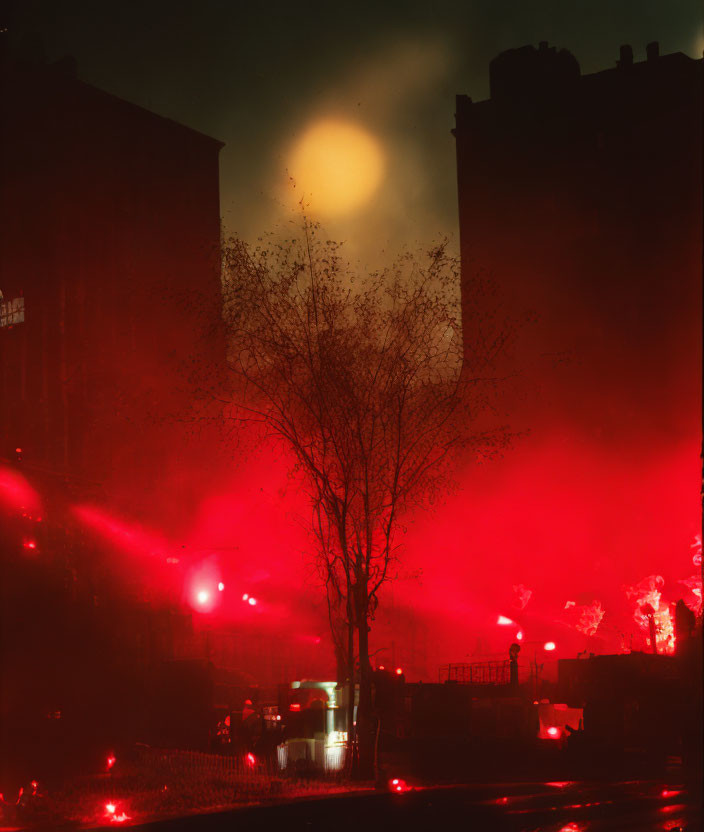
(336, 167)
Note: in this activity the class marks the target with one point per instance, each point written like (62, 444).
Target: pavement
(556, 806)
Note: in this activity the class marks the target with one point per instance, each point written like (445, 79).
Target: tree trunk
(365, 717)
(351, 745)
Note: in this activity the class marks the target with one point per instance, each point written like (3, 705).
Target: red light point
(111, 761)
(398, 785)
(553, 732)
(399, 671)
(110, 808)
(251, 759)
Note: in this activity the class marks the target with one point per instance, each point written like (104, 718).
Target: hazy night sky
(257, 75)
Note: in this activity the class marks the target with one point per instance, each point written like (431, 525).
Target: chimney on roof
(652, 50)
(625, 57)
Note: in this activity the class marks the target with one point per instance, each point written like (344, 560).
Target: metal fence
(477, 673)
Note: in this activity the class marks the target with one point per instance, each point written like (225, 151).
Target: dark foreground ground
(516, 807)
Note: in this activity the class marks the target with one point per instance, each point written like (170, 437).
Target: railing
(477, 673)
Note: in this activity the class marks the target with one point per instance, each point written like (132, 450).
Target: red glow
(398, 785)
(294, 706)
(381, 667)
(110, 761)
(399, 671)
(559, 784)
(129, 537)
(111, 811)
(553, 732)
(549, 646)
(669, 793)
(16, 493)
(251, 759)
(29, 544)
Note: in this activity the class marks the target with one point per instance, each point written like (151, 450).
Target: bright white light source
(203, 596)
(549, 645)
(519, 635)
(503, 621)
(221, 586)
(252, 601)
(245, 597)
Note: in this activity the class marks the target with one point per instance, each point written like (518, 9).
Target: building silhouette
(580, 218)
(581, 196)
(110, 233)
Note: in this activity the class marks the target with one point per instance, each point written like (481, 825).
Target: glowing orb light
(504, 621)
(553, 732)
(549, 645)
(252, 601)
(221, 587)
(519, 635)
(336, 167)
(203, 596)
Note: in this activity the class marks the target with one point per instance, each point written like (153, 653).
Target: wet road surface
(563, 806)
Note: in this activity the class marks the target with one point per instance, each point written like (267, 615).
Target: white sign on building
(11, 311)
